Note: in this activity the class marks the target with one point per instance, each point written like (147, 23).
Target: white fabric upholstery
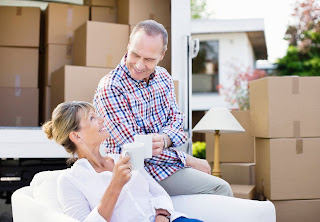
(38, 202)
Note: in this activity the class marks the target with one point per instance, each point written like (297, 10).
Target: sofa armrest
(213, 208)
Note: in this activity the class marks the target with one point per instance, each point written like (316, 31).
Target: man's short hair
(152, 28)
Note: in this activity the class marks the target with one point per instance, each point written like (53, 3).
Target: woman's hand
(161, 218)
(121, 172)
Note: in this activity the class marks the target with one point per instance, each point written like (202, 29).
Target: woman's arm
(121, 175)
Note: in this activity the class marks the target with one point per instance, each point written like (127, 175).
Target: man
(137, 97)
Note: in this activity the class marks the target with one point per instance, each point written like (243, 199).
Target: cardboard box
(62, 20)
(46, 104)
(133, 12)
(288, 168)
(243, 191)
(75, 83)
(110, 3)
(56, 57)
(297, 210)
(176, 89)
(20, 26)
(100, 44)
(234, 147)
(19, 106)
(103, 14)
(282, 107)
(19, 67)
(238, 173)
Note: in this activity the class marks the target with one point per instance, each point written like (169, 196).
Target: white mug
(136, 153)
(147, 141)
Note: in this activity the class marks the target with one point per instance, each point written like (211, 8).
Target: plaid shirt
(132, 107)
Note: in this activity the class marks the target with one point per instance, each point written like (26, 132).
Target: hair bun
(47, 128)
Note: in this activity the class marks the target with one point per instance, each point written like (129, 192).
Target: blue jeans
(184, 219)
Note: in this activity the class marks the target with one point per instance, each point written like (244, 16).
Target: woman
(96, 189)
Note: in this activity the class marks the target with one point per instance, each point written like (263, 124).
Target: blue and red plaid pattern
(132, 107)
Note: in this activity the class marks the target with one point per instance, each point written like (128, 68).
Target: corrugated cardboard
(133, 12)
(111, 3)
(238, 173)
(234, 147)
(46, 104)
(20, 26)
(62, 20)
(288, 168)
(19, 67)
(75, 83)
(100, 44)
(103, 14)
(19, 106)
(243, 191)
(282, 107)
(56, 57)
(297, 210)
(166, 61)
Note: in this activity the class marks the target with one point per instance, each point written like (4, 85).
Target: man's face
(144, 54)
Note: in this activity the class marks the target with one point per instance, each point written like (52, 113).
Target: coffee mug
(147, 142)
(136, 153)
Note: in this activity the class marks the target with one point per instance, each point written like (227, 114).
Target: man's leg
(191, 181)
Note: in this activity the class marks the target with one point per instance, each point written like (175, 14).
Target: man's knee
(222, 187)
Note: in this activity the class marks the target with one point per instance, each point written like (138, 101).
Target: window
(205, 69)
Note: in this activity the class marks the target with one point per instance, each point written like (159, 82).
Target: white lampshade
(219, 118)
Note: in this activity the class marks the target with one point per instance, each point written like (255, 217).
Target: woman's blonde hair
(65, 119)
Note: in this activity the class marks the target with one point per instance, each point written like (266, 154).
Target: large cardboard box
(20, 26)
(288, 168)
(110, 3)
(297, 210)
(56, 57)
(62, 20)
(176, 89)
(19, 67)
(282, 107)
(19, 106)
(45, 104)
(133, 12)
(100, 44)
(238, 173)
(243, 191)
(75, 83)
(103, 14)
(234, 147)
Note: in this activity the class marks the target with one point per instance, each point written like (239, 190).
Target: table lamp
(218, 120)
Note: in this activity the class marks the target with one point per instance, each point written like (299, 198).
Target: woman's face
(92, 129)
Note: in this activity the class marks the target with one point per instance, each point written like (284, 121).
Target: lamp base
(216, 173)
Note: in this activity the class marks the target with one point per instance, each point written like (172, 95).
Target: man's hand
(157, 144)
(198, 164)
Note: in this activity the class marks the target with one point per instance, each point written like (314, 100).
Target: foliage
(198, 9)
(303, 54)
(237, 94)
(199, 150)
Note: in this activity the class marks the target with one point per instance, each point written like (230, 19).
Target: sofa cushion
(44, 188)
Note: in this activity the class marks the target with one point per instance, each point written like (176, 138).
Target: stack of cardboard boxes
(19, 55)
(236, 157)
(285, 121)
(102, 10)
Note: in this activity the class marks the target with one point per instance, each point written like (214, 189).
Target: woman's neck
(93, 156)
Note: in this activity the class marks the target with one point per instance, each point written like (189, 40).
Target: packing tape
(70, 37)
(296, 128)
(151, 16)
(18, 121)
(295, 85)
(299, 146)
(17, 81)
(17, 91)
(69, 16)
(19, 11)
(69, 51)
(109, 61)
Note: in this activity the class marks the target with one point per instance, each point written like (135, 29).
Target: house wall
(235, 50)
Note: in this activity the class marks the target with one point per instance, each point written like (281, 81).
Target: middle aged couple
(137, 97)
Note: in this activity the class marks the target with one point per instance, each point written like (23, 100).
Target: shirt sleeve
(174, 125)
(74, 203)
(112, 105)
(160, 199)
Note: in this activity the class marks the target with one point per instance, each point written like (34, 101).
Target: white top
(81, 188)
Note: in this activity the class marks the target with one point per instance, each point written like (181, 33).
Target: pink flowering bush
(237, 94)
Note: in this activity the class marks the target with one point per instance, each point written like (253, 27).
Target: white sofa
(38, 202)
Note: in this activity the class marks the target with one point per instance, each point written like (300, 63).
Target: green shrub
(199, 150)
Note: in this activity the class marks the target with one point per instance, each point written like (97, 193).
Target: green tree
(198, 9)
(303, 54)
